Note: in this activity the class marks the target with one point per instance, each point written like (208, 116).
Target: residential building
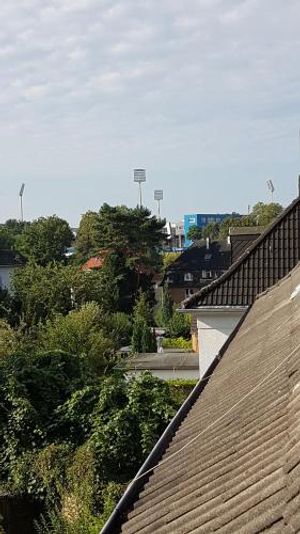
(9, 261)
(196, 267)
(217, 308)
(201, 220)
(229, 462)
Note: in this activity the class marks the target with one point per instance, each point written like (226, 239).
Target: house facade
(9, 261)
(196, 267)
(217, 308)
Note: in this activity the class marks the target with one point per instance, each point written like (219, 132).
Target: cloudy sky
(204, 94)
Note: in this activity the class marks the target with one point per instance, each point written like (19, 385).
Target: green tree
(169, 258)
(79, 333)
(166, 309)
(263, 214)
(41, 292)
(142, 309)
(211, 230)
(180, 325)
(6, 238)
(133, 232)
(98, 285)
(194, 234)
(89, 234)
(8, 339)
(45, 240)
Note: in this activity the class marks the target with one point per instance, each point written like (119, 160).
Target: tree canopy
(45, 240)
(194, 233)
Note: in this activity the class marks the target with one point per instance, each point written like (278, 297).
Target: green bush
(180, 325)
(180, 389)
(177, 343)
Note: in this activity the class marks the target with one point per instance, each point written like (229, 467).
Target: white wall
(214, 326)
(5, 274)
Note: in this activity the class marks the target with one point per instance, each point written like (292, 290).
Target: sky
(204, 94)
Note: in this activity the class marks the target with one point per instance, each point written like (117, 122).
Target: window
(203, 220)
(188, 277)
(189, 292)
(206, 274)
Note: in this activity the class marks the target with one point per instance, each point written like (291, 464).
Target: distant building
(201, 220)
(174, 236)
(9, 261)
(196, 267)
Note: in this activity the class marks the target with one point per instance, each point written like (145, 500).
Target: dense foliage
(67, 432)
(74, 429)
(45, 240)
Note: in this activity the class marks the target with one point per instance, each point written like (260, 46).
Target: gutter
(114, 522)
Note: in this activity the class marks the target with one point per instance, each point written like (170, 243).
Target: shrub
(177, 343)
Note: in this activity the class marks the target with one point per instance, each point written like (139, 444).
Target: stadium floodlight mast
(158, 195)
(139, 176)
(21, 200)
(271, 188)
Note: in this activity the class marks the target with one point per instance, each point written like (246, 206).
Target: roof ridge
(252, 247)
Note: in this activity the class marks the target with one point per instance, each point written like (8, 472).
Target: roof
(9, 258)
(268, 259)
(165, 361)
(233, 465)
(197, 258)
(95, 262)
(246, 230)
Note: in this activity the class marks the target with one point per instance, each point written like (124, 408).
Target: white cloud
(189, 85)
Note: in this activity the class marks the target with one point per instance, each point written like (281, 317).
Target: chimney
(207, 243)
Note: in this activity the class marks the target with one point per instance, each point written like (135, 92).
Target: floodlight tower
(271, 188)
(158, 195)
(21, 200)
(139, 176)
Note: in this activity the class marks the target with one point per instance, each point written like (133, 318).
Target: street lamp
(21, 199)
(139, 176)
(158, 195)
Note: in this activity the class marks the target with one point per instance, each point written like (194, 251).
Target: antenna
(139, 176)
(158, 195)
(21, 200)
(271, 188)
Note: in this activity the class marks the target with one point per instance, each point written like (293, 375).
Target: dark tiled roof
(9, 258)
(197, 258)
(267, 260)
(241, 239)
(240, 469)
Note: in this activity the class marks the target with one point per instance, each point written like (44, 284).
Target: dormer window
(188, 277)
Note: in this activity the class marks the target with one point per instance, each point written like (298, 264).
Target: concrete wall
(214, 326)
